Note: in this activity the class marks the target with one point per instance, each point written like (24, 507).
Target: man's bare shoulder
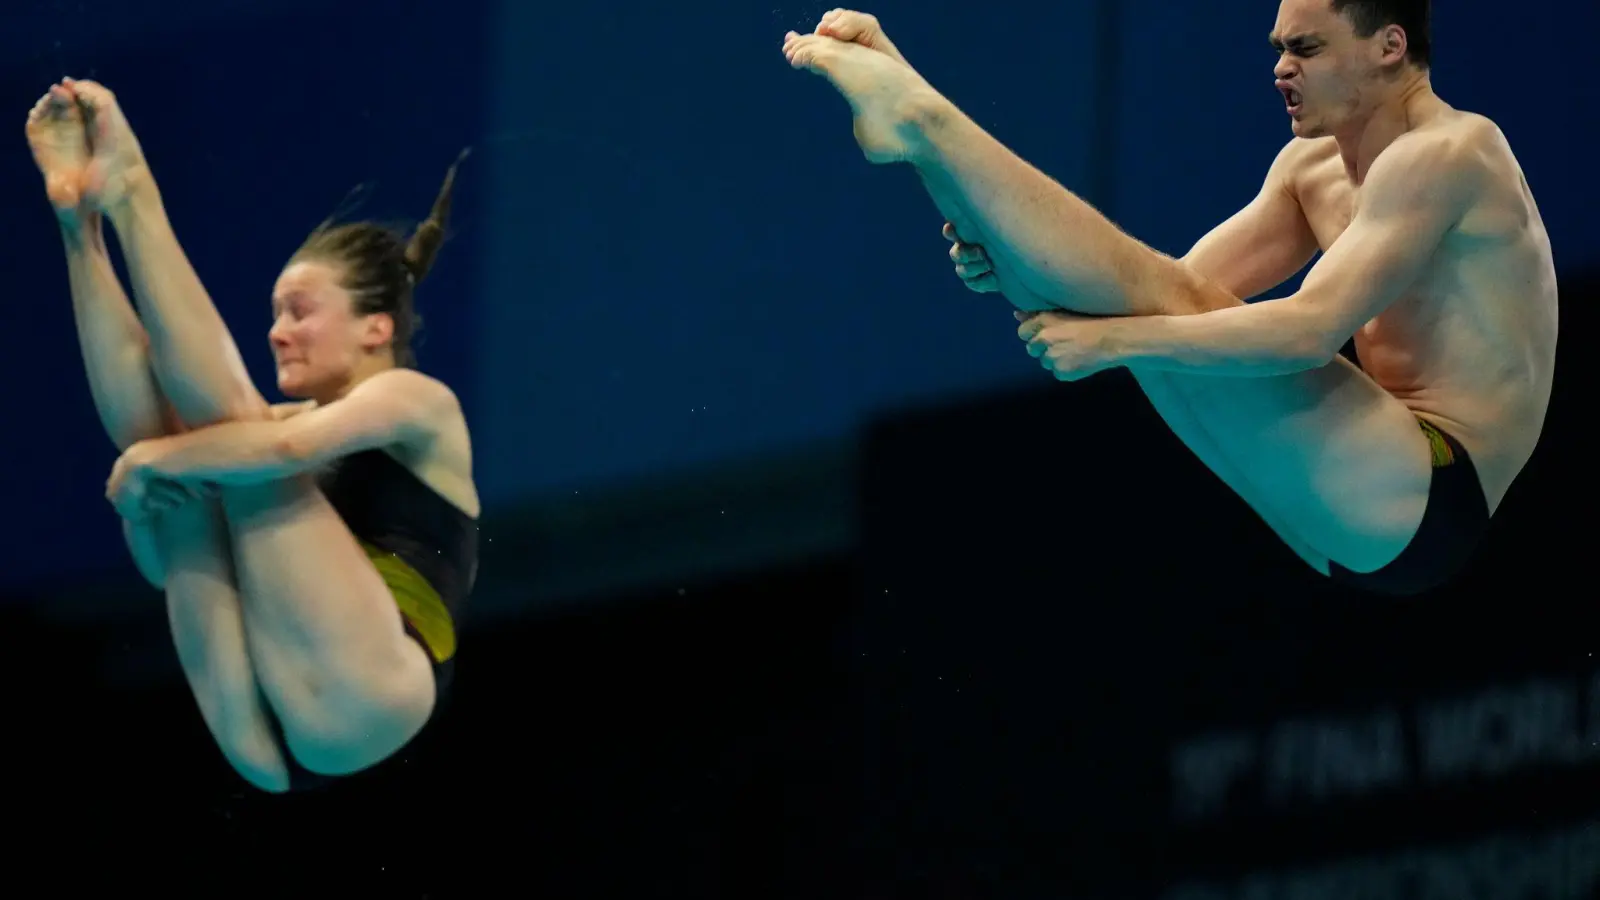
(1467, 157)
(1458, 145)
(1304, 151)
(1460, 128)
(1484, 150)
(1301, 157)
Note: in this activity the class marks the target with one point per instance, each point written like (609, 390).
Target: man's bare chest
(1329, 206)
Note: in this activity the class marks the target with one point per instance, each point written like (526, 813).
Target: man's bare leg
(1057, 245)
(864, 29)
(1340, 460)
(1172, 404)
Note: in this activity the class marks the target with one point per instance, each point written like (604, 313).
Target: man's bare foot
(859, 28)
(60, 146)
(890, 100)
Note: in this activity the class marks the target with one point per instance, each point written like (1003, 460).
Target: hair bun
(429, 236)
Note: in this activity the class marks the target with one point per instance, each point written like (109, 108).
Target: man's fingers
(973, 271)
(968, 255)
(983, 284)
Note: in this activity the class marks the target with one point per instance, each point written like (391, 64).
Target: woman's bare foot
(116, 164)
(891, 102)
(60, 145)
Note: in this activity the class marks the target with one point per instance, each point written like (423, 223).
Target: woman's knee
(374, 714)
(199, 409)
(145, 549)
(236, 718)
(259, 760)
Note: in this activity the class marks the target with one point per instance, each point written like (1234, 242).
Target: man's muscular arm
(1414, 195)
(1263, 244)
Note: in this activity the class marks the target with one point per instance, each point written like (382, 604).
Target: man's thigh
(1173, 407)
(1342, 463)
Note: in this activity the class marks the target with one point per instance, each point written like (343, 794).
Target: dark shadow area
(667, 745)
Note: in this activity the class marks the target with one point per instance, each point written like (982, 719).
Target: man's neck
(1407, 103)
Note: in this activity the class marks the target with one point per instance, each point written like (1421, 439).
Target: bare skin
(280, 609)
(1434, 259)
(182, 548)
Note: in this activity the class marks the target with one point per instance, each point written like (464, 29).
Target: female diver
(312, 553)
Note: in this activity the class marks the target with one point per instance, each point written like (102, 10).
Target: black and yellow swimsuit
(1454, 523)
(424, 547)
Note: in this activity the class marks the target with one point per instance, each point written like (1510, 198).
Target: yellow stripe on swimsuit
(1438, 447)
(418, 601)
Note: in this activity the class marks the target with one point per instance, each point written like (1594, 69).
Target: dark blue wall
(669, 252)
(257, 125)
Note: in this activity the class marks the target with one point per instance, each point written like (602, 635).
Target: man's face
(1325, 72)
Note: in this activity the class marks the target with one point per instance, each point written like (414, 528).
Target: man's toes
(835, 24)
(847, 26)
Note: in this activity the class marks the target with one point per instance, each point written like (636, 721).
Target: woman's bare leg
(208, 631)
(350, 686)
(185, 553)
(194, 356)
(325, 636)
(326, 639)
